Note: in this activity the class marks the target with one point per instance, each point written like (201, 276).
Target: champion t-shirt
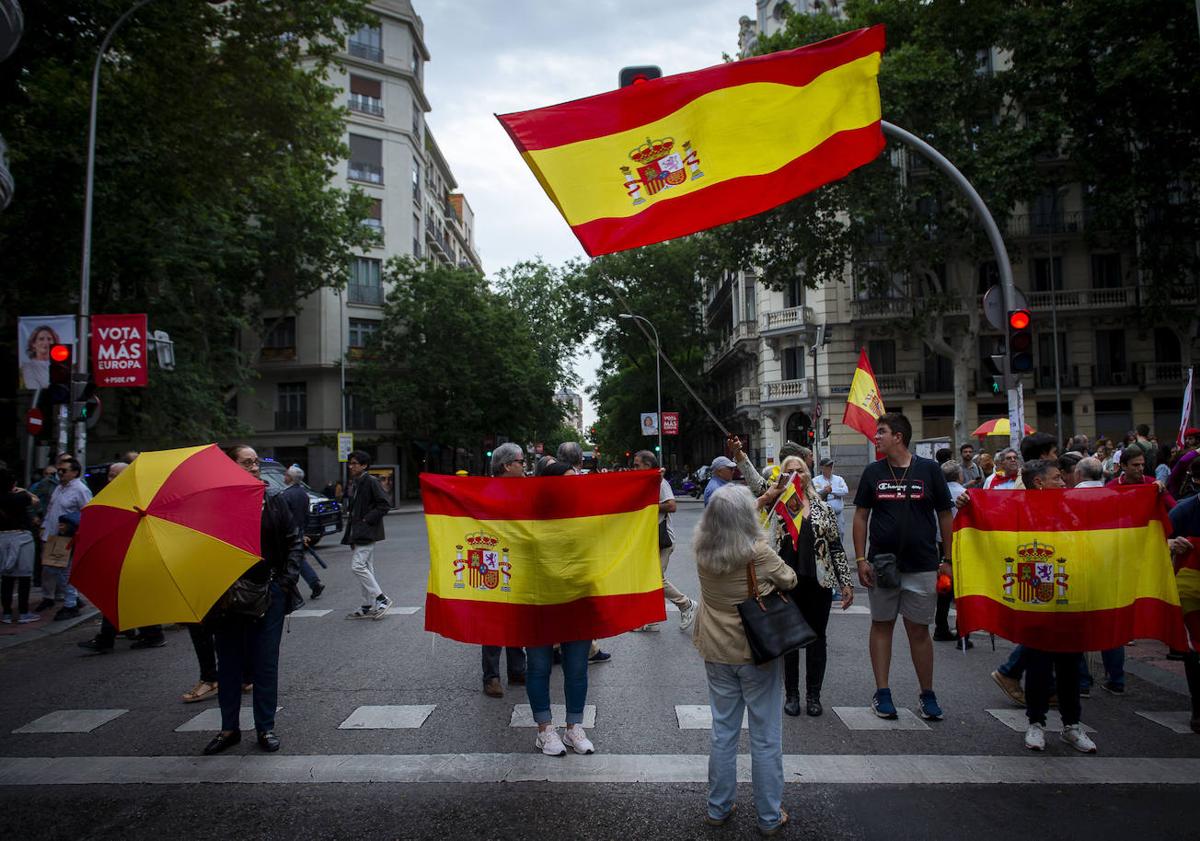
(904, 508)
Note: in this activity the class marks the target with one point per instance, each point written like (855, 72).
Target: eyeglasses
(247, 462)
(63, 470)
(520, 461)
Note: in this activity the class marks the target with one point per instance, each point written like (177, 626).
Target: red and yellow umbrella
(167, 537)
(998, 426)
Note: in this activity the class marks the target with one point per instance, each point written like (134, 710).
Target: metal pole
(85, 274)
(657, 376)
(815, 402)
(1054, 329)
(342, 366)
(1007, 287)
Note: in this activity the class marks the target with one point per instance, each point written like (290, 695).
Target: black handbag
(773, 623)
(664, 537)
(246, 598)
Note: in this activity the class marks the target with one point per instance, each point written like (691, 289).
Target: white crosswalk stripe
(699, 717)
(864, 718)
(210, 720)
(1015, 719)
(71, 721)
(522, 715)
(1177, 721)
(397, 717)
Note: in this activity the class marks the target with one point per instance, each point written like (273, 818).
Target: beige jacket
(719, 636)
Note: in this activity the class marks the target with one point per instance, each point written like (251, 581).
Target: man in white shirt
(833, 490)
(1089, 473)
(646, 460)
(1008, 471)
(952, 471)
(68, 498)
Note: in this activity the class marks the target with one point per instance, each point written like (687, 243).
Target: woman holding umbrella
(248, 620)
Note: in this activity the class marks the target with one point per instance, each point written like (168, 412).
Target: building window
(939, 375)
(361, 330)
(367, 43)
(374, 219)
(416, 61)
(416, 112)
(280, 333)
(366, 95)
(366, 281)
(1045, 368)
(359, 413)
(1047, 216)
(416, 234)
(1040, 273)
(882, 355)
(291, 410)
(1110, 359)
(989, 276)
(1113, 418)
(749, 313)
(793, 363)
(366, 159)
(1106, 271)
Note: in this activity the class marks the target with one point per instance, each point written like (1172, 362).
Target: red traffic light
(1019, 319)
(60, 353)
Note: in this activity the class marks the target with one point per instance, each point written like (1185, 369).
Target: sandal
(202, 690)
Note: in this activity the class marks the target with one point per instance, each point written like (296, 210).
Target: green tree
(542, 294)
(214, 207)
(455, 361)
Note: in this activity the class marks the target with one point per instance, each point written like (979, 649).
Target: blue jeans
(757, 690)
(575, 679)
(250, 645)
(1014, 666)
(65, 588)
(1114, 668)
(308, 573)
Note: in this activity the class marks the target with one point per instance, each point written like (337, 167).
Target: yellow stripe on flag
(750, 129)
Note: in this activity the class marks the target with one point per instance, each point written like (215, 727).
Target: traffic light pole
(1016, 409)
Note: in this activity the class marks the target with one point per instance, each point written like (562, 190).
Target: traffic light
(60, 374)
(488, 454)
(638, 75)
(827, 427)
(812, 435)
(1020, 341)
(85, 405)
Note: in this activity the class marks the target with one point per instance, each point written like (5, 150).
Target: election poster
(36, 334)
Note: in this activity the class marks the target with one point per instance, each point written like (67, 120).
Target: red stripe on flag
(737, 198)
(491, 623)
(1092, 630)
(627, 108)
(541, 498)
(856, 417)
(1055, 509)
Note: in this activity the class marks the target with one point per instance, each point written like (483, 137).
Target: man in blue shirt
(722, 474)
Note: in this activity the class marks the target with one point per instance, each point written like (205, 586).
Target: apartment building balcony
(738, 340)
(720, 297)
(1161, 373)
(360, 293)
(786, 322)
(362, 171)
(896, 384)
(437, 239)
(1123, 297)
(291, 419)
(1044, 379)
(1104, 376)
(1034, 225)
(746, 400)
(370, 52)
(786, 392)
(881, 309)
(366, 105)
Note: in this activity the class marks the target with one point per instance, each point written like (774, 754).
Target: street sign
(649, 423)
(119, 350)
(34, 421)
(993, 306)
(670, 423)
(345, 446)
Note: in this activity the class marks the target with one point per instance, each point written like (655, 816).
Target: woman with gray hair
(819, 561)
(728, 539)
(508, 462)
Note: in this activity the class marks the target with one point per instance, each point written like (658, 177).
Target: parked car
(324, 514)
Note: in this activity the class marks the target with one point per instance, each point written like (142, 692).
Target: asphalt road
(465, 772)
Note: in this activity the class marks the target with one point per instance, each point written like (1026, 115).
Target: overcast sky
(491, 57)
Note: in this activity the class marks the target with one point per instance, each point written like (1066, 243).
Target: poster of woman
(36, 334)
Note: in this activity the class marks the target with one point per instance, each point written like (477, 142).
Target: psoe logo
(659, 167)
(485, 567)
(1036, 574)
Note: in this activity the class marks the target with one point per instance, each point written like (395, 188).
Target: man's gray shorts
(915, 599)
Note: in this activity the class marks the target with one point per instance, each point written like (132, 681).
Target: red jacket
(1146, 480)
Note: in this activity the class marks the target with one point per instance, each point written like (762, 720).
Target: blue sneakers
(930, 711)
(882, 704)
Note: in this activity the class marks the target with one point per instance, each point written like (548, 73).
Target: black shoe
(221, 741)
(66, 613)
(943, 635)
(791, 705)
(317, 590)
(964, 644)
(1172, 653)
(516, 680)
(813, 706)
(268, 741)
(600, 657)
(95, 646)
(44, 604)
(131, 634)
(149, 642)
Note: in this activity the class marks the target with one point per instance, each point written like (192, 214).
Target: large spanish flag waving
(1067, 570)
(680, 154)
(544, 560)
(863, 404)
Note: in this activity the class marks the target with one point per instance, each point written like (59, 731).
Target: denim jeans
(575, 679)
(1114, 668)
(1014, 666)
(240, 639)
(491, 661)
(757, 690)
(308, 573)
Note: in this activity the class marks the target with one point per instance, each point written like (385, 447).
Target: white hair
(296, 472)
(801, 464)
(727, 531)
(505, 453)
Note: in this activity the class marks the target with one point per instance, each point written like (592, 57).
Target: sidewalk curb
(47, 628)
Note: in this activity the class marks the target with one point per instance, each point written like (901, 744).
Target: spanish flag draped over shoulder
(538, 561)
(864, 406)
(684, 153)
(1067, 570)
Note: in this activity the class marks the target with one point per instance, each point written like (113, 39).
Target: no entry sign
(34, 421)
(119, 350)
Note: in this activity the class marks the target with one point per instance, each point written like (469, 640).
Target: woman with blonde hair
(728, 539)
(819, 561)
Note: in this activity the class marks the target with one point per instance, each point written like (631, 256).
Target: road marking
(862, 609)
(1178, 721)
(210, 720)
(853, 769)
(307, 613)
(864, 718)
(71, 721)
(699, 717)
(1015, 719)
(522, 715)
(397, 717)
(402, 611)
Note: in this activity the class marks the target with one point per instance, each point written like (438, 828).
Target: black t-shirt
(903, 506)
(801, 558)
(14, 511)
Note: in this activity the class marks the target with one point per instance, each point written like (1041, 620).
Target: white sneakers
(547, 742)
(1072, 734)
(577, 740)
(688, 615)
(574, 737)
(1035, 737)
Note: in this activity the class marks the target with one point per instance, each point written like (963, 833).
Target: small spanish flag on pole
(863, 405)
(539, 561)
(688, 152)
